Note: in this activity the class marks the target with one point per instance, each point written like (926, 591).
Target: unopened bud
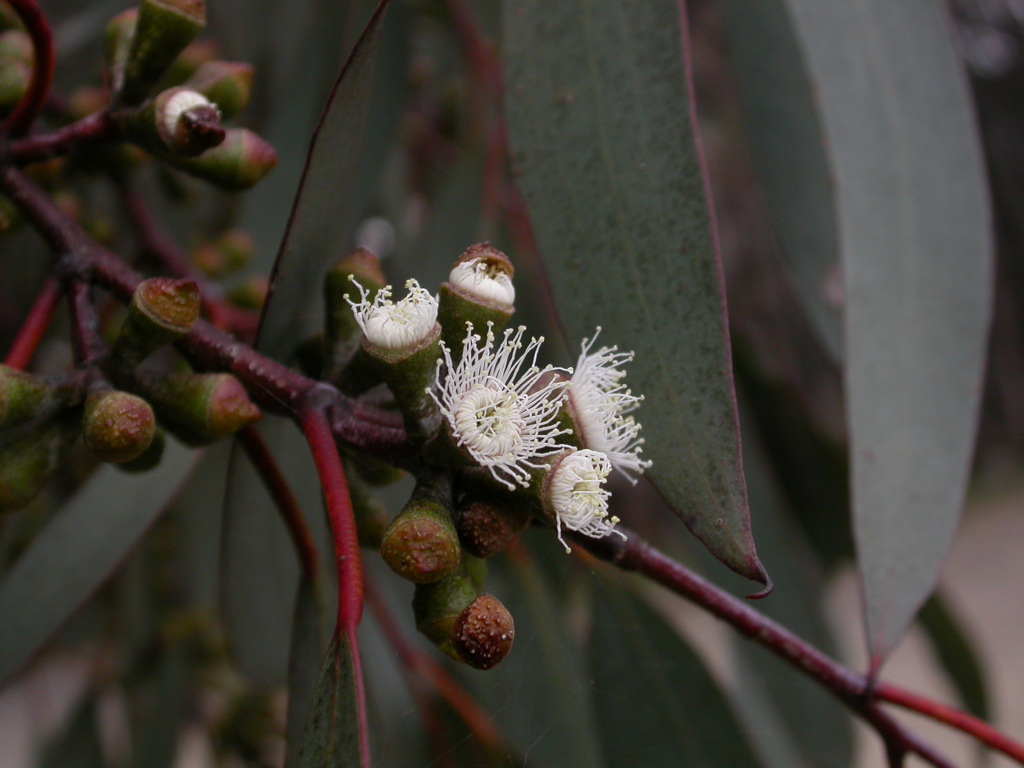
(15, 68)
(228, 84)
(486, 527)
(163, 30)
(250, 293)
(199, 408)
(420, 544)
(28, 463)
(117, 426)
(149, 458)
(238, 163)
(117, 42)
(228, 253)
(162, 310)
(483, 633)
(179, 122)
(479, 291)
(23, 396)
(437, 606)
(196, 53)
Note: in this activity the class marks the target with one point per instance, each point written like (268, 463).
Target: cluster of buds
(119, 409)
(503, 439)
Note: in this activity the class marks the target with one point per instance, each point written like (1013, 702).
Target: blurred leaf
(76, 552)
(789, 153)
(306, 648)
(656, 703)
(158, 699)
(916, 252)
(331, 735)
(956, 653)
(600, 128)
(78, 745)
(323, 214)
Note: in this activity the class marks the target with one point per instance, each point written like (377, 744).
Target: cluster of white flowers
(502, 409)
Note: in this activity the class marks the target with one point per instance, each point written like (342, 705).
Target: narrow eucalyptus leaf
(600, 128)
(306, 649)
(331, 736)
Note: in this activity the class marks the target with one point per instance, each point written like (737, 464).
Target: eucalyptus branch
(32, 102)
(36, 322)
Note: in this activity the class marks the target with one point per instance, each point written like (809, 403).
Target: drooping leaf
(656, 703)
(785, 135)
(306, 650)
(916, 255)
(600, 128)
(322, 214)
(79, 549)
(956, 653)
(331, 736)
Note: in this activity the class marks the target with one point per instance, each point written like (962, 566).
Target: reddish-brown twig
(31, 103)
(35, 325)
(45, 146)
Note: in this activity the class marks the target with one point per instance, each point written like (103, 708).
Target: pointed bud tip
(117, 426)
(230, 408)
(483, 633)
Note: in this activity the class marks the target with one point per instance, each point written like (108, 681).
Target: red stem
(961, 721)
(45, 146)
(31, 104)
(317, 428)
(35, 325)
(85, 326)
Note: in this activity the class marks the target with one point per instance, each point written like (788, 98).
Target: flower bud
(241, 160)
(486, 526)
(149, 458)
(228, 84)
(420, 544)
(199, 408)
(483, 633)
(343, 363)
(196, 53)
(27, 464)
(163, 30)
(23, 396)
(437, 606)
(117, 42)
(228, 253)
(180, 122)
(15, 68)
(479, 290)
(117, 426)
(250, 293)
(162, 310)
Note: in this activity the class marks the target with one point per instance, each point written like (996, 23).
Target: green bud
(409, 374)
(23, 397)
(117, 42)
(28, 463)
(437, 606)
(162, 310)
(228, 253)
(250, 293)
(15, 68)
(228, 84)
(196, 53)
(117, 426)
(179, 122)
(241, 160)
(163, 30)
(479, 290)
(342, 333)
(420, 544)
(485, 527)
(199, 408)
(483, 633)
(149, 458)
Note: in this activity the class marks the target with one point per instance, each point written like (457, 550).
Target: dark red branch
(31, 104)
(46, 146)
(85, 325)
(35, 325)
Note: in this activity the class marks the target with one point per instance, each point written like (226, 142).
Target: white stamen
(601, 404)
(577, 497)
(484, 281)
(501, 415)
(393, 325)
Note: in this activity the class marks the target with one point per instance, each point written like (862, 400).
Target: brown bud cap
(199, 408)
(22, 396)
(162, 310)
(163, 30)
(187, 122)
(241, 160)
(117, 426)
(228, 84)
(483, 633)
(27, 464)
(437, 606)
(420, 544)
(486, 527)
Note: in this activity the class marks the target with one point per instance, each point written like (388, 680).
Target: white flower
(601, 404)
(485, 280)
(505, 418)
(576, 495)
(395, 326)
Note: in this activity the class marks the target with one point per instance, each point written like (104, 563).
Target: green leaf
(76, 552)
(600, 128)
(656, 703)
(790, 157)
(323, 214)
(916, 253)
(331, 735)
(306, 648)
